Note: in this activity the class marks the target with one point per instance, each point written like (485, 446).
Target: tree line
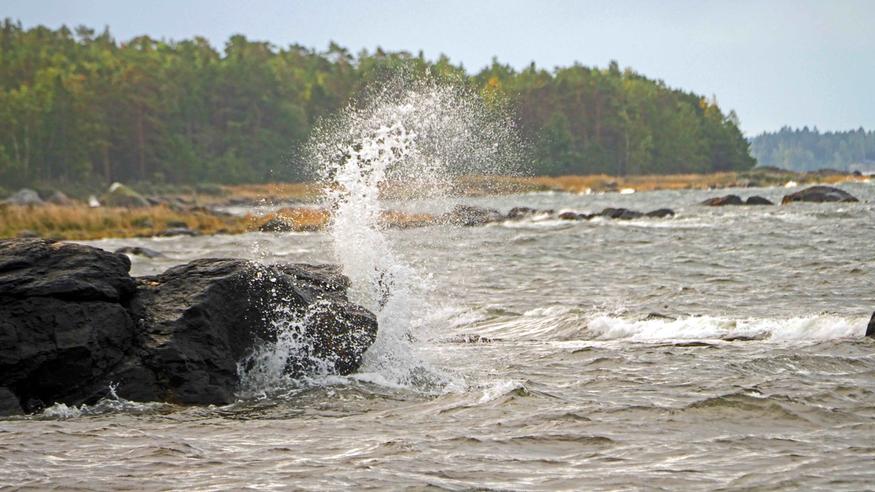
(809, 150)
(79, 106)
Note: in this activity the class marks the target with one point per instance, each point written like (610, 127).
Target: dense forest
(808, 150)
(79, 106)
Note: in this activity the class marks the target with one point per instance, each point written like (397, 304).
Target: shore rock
(59, 198)
(120, 195)
(72, 321)
(820, 194)
(721, 201)
(24, 196)
(277, 224)
(9, 404)
(758, 200)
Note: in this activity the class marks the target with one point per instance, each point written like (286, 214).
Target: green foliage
(83, 108)
(809, 150)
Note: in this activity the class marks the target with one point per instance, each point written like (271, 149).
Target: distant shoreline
(184, 211)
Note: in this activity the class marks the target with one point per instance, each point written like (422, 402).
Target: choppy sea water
(720, 349)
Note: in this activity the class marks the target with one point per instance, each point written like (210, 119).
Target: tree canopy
(80, 106)
(808, 149)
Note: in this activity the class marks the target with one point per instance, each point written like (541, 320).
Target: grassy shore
(80, 222)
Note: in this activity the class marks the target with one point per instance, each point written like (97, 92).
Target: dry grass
(275, 191)
(82, 222)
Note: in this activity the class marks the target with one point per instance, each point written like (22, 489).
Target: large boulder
(820, 194)
(72, 321)
(24, 196)
(721, 201)
(119, 195)
(757, 200)
(621, 213)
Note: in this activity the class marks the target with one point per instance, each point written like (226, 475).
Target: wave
(559, 323)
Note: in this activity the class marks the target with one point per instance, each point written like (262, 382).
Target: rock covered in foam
(72, 321)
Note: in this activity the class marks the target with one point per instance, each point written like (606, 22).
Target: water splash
(417, 136)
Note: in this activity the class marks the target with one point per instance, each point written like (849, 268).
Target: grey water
(723, 349)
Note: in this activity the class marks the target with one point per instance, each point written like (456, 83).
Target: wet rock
(521, 212)
(870, 329)
(9, 404)
(277, 224)
(178, 231)
(120, 195)
(819, 194)
(661, 213)
(721, 201)
(72, 320)
(139, 251)
(469, 215)
(24, 196)
(758, 200)
(570, 216)
(621, 214)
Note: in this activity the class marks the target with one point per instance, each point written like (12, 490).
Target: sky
(775, 62)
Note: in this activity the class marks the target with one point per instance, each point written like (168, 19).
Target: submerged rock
(72, 321)
(621, 213)
(820, 194)
(661, 213)
(469, 215)
(721, 201)
(757, 200)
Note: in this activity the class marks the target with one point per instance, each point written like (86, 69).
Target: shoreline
(181, 213)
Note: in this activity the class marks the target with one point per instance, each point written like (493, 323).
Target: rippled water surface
(722, 348)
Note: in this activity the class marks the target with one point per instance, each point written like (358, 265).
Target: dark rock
(757, 200)
(870, 329)
(857, 173)
(521, 212)
(72, 321)
(277, 224)
(177, 224)
(9, 404)
(139, 251)
(570, 216)
(179, 231)
(469, 215)
(24, 196)
(37, 268)
(819, 194)
(659, 316)
(661, 213)
(723, 200)
(621, 214)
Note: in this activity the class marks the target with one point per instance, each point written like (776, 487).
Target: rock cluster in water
(73, 321)
(469, 215)
(814, 194)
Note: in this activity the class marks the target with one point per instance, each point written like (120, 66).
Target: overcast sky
(779, 62)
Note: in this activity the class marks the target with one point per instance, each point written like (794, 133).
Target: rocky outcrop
(72, 321)
(819, 194)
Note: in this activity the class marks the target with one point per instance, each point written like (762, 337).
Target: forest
(78, 106)
(808, 149)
